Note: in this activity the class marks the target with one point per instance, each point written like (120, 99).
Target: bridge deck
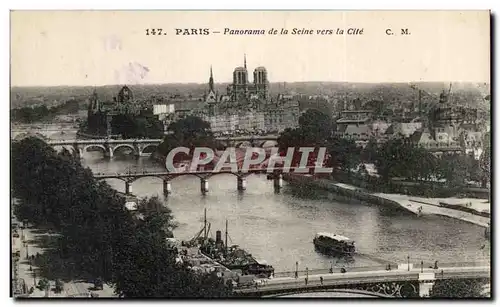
(131, 141)
(204, 172)
(349, 278)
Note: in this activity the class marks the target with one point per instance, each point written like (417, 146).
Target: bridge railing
(98, 141)
(336, 269)
(262, 170)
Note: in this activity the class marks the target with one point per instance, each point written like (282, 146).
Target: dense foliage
(396, 158)
(132, 126)
(188, 132)
(450, 288)
(97, 232)
(315, 129)
(34, 114)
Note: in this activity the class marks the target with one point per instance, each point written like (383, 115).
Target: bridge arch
(347, 293)
(60, 148)
(95, 146)
(243, 144)
(116, 183)
(268, 143)
(149, 149)
(134, 150)
(146, 176)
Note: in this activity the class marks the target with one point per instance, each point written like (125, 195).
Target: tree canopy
(457, 288)
(190, 132)
(97, 231)
(401, 158)
(42, 112)
(315, 126)
(132, 126)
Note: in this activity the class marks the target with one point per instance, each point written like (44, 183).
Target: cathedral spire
(211, 80)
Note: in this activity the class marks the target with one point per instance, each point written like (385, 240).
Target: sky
(92, 48)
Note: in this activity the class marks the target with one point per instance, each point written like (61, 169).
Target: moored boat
(334, 244)
(232, 257)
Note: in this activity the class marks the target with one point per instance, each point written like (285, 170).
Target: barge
(232, 257)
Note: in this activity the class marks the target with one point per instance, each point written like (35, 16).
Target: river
(279, 227)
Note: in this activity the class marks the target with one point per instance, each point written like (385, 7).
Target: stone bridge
(404, 281)
(139, 147)
(204, 175)
(145, 147)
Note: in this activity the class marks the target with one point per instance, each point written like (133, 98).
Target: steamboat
(334, 244)
(232, 257)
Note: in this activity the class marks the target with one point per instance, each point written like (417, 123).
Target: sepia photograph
(256, 154)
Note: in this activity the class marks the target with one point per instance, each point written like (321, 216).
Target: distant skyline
(96, 48)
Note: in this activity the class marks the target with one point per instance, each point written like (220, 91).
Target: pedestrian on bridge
(321, 280)
(305, 280)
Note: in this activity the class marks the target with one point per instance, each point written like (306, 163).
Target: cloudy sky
(98, 48)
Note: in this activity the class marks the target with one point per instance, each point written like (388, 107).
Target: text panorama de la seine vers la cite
(271, 31)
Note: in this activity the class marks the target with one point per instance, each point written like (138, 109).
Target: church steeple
(245, 60)
(211, 80)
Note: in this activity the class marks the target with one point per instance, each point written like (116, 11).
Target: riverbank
(37, 259)
(416, 205)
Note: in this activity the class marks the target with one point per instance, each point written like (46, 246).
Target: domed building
(100, 114)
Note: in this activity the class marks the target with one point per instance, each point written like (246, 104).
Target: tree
(59, 286)
(314, 130)
(402, 158)
(153, 207)
(146, 266)
(316, 126)
(453, 168)
(43, 284)
(485, 161)
(97, 231)
(189, 132)
(291, 138)
(141, 126)
(369, 154)
(458, 288)
(344, 154)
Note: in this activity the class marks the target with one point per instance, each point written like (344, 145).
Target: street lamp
(296, 269)
(408, 262)
(422, 266)
(26, 246)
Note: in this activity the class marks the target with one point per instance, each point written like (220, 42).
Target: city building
(100, 114)
(405, 130)
(247, 107)
(425, 139)
(355, 124)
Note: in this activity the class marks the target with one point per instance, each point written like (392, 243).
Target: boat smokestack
(225, 245)
(218, 237)
(205, 232)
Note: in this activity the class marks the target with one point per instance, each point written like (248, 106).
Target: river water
(280, 227)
